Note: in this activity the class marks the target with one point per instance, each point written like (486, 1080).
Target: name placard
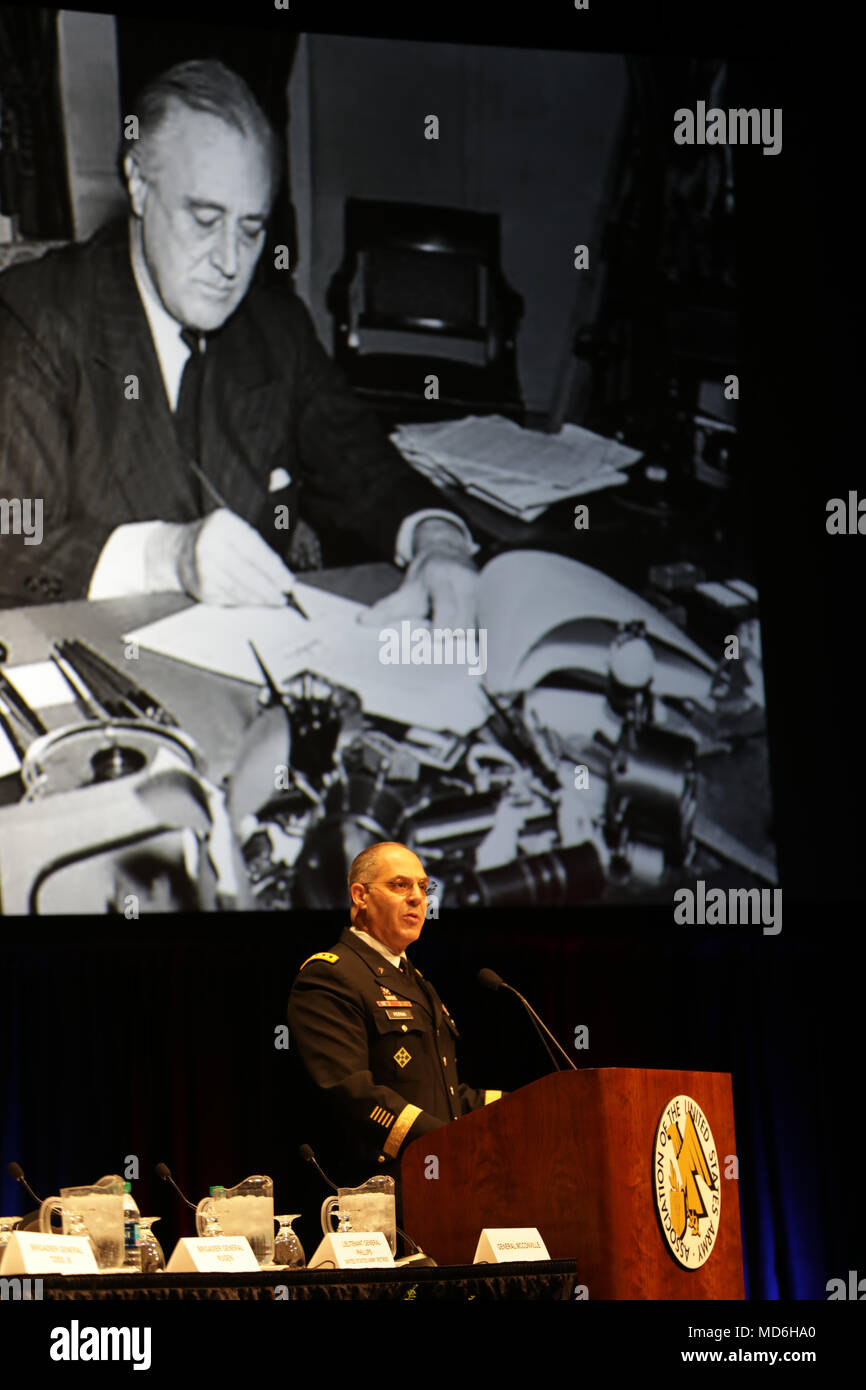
(353, 1250)
(498, 1244)
(212, 1255)
(30, 1252)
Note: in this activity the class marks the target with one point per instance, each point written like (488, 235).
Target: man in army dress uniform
(374, 1038)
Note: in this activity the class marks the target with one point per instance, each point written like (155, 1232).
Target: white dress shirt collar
(171, 350)
(377, 946)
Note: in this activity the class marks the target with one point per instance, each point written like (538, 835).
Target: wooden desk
(628, 530)
(214, 710)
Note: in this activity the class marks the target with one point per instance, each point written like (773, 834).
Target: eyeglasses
(403, 886)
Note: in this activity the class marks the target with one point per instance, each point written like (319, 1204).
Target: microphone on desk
(308, 1156)
(489, 979)
(30, 1220)
(419, 1257)
(17, 1172)
(163, 1171)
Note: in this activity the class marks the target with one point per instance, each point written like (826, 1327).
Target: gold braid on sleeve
(403, 1123)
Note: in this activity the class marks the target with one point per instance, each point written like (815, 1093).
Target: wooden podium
(576, 1154)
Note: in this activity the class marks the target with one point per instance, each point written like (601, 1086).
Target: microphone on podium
(488, 979)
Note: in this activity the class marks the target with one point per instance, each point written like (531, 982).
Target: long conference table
(529, 1280)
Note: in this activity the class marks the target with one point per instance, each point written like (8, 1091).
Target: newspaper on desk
(519, 471)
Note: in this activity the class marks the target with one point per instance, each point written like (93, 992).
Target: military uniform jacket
(380, 1047)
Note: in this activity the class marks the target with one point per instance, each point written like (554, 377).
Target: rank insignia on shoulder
(322, 955)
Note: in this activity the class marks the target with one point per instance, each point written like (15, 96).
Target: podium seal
(686, 1182)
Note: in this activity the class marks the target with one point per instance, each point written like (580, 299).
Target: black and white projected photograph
(373, 471)
(430, 588)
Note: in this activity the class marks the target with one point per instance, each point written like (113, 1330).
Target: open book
(537, 614)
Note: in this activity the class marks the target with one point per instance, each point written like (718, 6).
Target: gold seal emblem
(686, 1182)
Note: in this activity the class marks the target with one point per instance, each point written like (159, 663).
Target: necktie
(419, 984)
(186, 416)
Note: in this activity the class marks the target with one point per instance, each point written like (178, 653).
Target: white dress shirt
(120, 569)
(377, 946)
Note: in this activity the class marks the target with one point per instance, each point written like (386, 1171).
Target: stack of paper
(522, 472)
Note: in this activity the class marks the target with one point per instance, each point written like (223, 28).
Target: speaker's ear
(135, 180)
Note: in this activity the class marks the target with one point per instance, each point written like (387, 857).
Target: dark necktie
(421, 984)
(186, 416)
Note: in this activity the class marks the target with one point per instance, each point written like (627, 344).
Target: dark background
(156, 1038)
(160, 1043)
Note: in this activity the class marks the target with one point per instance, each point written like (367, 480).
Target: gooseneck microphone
(17, 1172)
(489, 979)
(163, 1171)
(308, 1156)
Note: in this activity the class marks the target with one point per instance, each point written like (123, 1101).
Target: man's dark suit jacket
(73, 332)
(379, 1048)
